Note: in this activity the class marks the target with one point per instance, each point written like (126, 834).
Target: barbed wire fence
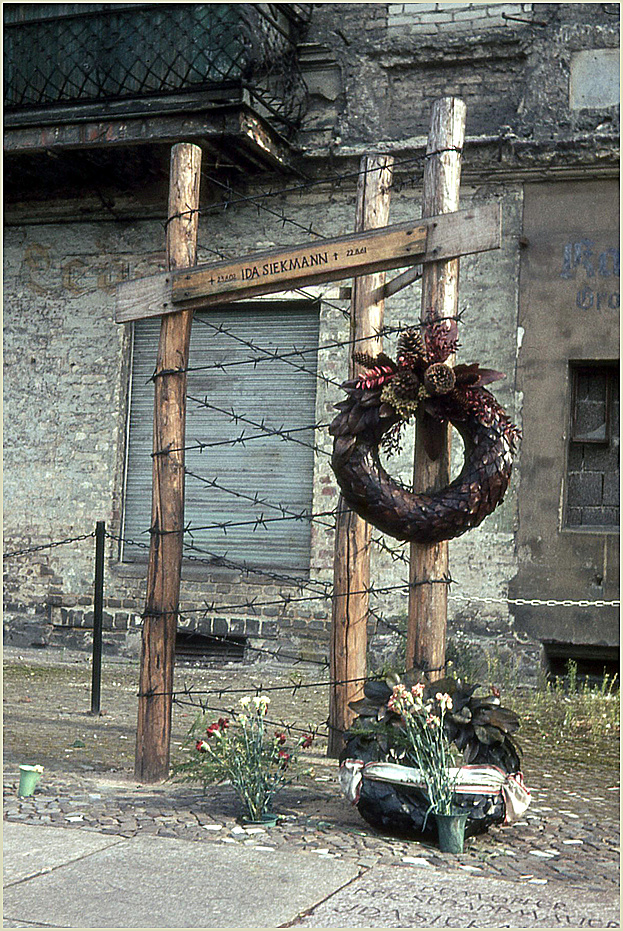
(197, 551)
(202, 700)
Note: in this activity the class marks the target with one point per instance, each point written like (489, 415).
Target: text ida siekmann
(283, 266)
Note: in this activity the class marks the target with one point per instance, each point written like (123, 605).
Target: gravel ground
(570, 833)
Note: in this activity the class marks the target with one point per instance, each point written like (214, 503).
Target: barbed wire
(255, 524)
(278, 653)
(270, 354)
(261, 206)
(250, 605)
(216, 560)
(241, 440)
(259, 425)
(285, 599)
(335, 180)
(289, 728)
(286, 513)
(256, 360)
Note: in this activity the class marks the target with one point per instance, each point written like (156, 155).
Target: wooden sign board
(430, 240)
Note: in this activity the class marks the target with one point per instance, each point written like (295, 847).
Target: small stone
(570, 842)
(262, 847)
(212, 827)
(417, 861)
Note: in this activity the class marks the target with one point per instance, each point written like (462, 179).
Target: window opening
(592, 663)
(592, 499)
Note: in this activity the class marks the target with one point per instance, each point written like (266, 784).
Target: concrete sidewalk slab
(30, 849)
(401, 897)
(153, 882)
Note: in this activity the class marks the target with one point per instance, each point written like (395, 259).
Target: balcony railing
(78, 54)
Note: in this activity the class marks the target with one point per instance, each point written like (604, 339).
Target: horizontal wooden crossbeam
(397, 246)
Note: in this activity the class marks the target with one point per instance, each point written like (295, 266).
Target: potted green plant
(246, 752)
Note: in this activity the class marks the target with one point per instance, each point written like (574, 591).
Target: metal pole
(98, 612)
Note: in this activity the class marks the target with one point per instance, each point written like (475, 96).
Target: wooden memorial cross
(182, 289)
(412, 243)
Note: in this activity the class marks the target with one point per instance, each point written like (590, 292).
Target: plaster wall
(569, 312)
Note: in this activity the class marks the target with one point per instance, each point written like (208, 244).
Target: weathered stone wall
(76, 445)
(373, 71)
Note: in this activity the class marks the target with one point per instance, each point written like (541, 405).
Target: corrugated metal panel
(271, 391)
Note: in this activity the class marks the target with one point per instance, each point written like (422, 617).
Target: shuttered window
(243, 497)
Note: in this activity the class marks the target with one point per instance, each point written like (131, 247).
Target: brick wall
(63, 476)
(434, 18)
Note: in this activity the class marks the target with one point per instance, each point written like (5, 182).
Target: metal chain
(537, 602)
(48, 546)
(533, 602)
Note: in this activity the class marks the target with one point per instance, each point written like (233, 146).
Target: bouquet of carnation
(425, 742)
(245, 753)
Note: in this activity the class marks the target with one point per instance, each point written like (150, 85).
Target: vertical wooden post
(165, 554)
(428, 598)
(351, 577)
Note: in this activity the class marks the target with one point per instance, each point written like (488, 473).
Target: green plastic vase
(267, 820)
(451, 832)
(29, 776)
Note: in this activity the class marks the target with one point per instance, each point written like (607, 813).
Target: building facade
(285, 100)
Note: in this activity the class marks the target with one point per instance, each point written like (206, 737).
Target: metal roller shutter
(271, 391)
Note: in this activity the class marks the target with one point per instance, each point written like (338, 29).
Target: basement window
(593, 662)
(207, 650)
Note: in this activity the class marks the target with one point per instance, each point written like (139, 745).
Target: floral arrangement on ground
(245, 752)
(419, 749)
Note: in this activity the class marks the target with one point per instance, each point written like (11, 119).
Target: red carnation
(307, 741)
(281, 738)
(223, 723)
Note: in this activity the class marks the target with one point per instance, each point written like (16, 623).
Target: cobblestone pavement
(570, 833)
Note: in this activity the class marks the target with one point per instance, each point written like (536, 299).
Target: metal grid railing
(148, 50)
